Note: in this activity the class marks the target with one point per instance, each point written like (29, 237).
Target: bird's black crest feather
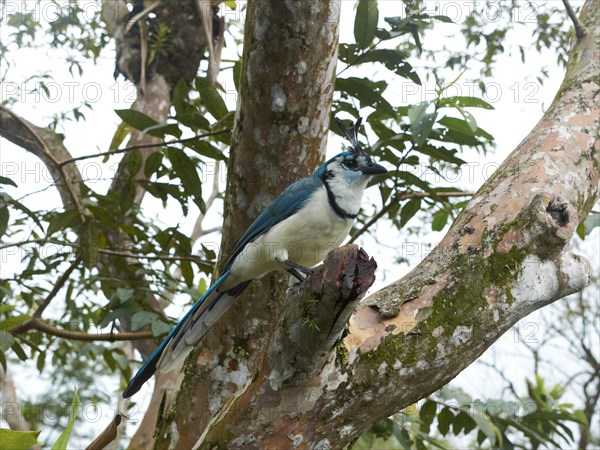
(351, 134)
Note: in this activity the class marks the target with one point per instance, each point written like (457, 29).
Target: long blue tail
(180, 341)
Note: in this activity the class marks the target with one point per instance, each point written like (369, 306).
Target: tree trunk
(506, 255)
(280, 135)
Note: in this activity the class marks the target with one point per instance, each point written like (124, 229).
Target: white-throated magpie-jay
(308, 219)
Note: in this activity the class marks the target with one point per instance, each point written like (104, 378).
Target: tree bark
(280, 135)
(48, 146)
(506, 255)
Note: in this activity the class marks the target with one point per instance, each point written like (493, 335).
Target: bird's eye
(350, 163)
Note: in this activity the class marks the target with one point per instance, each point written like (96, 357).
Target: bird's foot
(295, 269)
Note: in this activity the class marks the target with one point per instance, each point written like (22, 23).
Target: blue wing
(288, 203)
(197, 311)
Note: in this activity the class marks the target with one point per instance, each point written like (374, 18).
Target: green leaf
(160, 130)
(402, 436)
(180, 97)
(580, 230)
(211, 98)
(592, 221)
(205, 148)
(469, 118)
(16, 347)
(6, 339)
(437, 443)
(185, 169)
(194, 120)
(462, 422)
(142, 318)
(187, 272)
(409, 209)
(62, 443)
(527, 431)
(440, 218)
(159, 328)
(4, 216)
(109, 359)
(365, 23)
(7, 308)
(121, 133)
(6, 180)
(490, 430)
(13, 321)
(421, 123)
(132, 162)
(153, 163)
(461, 126)
(136, 119)
(367, 92)
(463, 102)
(88, 243)
(65, 219)
(440, 153)
(445, 418)
(20, 206)
(427, 414)
(392, 59)
(41, 361)
(444, 19)
(17, 440)
(124, 295)
(237, 74)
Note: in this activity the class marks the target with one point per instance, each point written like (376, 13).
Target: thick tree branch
(48, 146)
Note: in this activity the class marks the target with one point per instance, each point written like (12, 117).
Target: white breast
(304, 238)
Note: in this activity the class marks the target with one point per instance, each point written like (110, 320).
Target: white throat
(347, 194)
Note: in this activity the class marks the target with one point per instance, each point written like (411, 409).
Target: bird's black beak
(372, 168)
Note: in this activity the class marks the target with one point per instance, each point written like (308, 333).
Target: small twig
(359, 57)
(57, 287)
(400, 197)
(580, 30)
(205, 264)
(44, 304)
(45, 327)
(140, 146)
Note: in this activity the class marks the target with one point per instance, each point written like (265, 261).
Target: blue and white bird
(311, 215)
